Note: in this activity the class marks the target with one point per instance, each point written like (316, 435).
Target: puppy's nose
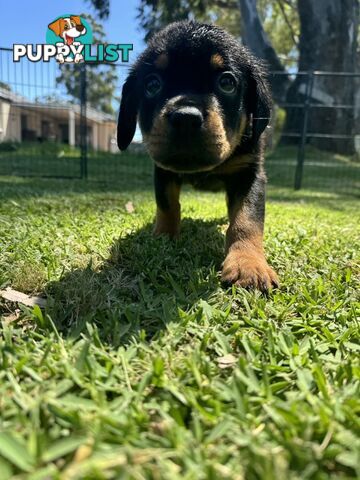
(187, 118)
(80, 28)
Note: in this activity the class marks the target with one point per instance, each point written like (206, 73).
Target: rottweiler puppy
(202, 102)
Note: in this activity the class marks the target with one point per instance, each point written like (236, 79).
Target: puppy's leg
(167, 192)
(245, 262)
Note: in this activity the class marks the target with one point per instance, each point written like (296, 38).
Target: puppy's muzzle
(186, 119)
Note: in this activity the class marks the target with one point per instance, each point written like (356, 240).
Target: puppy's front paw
(167, 223)
(167, 230)
(60, 58)
(78, 58)
(248, 270)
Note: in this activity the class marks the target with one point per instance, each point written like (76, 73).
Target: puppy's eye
(227, 83)
(66, 27)
(153, 85)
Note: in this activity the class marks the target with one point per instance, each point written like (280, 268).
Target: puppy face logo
(70, 34)
(68, 28)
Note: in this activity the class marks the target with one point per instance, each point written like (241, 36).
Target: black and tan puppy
(202, 103)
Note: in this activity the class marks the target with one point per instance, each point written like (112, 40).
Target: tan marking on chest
(235, 163)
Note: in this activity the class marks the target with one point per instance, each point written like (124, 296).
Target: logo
(74, 32)
(69, 40)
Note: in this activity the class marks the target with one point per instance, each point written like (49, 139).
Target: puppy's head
(68, 28)
(197, 94)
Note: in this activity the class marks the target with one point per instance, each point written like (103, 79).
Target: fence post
(301, 152)
(83, 123)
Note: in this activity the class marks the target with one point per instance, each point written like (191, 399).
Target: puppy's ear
(128, 113)
(76, 19)
(260, 101)
(56, 26)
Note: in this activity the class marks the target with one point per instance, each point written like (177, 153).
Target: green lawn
(143, 367)
(323, 171)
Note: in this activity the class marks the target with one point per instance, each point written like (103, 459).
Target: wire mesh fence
(49, 130)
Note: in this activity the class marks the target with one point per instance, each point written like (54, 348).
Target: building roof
(11, 96)
(20, 101)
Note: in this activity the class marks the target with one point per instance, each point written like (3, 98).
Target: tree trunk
(328, 42)
(255, 38)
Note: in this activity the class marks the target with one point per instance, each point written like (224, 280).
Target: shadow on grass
(142, 285)
(27, 169)
(326, 177)
(324, 173)
(330, 201)
(28, 188)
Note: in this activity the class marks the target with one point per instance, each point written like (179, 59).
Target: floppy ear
(56, 26)
(128, 113)
(76, 19)
(260, 101)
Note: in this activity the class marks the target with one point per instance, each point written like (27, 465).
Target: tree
(102, 7)
(304, 34)
(328, 42)
(101, 79)
(5, 86)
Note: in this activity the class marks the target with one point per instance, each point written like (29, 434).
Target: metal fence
(327, 167)
(45, 131)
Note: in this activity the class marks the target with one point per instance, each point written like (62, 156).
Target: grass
(143, 367)
(323, 171)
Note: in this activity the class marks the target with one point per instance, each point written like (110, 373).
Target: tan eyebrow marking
(217, 61)
(162, 61)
